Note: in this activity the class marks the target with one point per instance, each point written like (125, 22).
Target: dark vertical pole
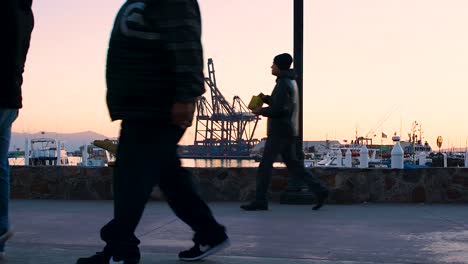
(293, 191)
(298, 64)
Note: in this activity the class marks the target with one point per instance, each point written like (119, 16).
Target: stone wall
(348, 185)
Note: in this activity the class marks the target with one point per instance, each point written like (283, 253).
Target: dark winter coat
(154, 59)
(283, 106)
(18, 22)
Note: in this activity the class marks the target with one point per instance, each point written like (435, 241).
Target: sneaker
(6, 235)
(255, 206)
(99, 257)
(321, 197)
(200, 251)
(104, 258)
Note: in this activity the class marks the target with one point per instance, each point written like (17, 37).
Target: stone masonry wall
(348, 185)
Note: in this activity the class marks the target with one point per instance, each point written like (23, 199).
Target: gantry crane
(223, 129)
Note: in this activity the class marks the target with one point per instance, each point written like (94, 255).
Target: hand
(182, 114)
(261, 95)
(257, 111)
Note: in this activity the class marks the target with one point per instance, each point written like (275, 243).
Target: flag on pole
(384, 135)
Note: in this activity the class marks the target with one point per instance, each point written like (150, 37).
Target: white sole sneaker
(210, 251)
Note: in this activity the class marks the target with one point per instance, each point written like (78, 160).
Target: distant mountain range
(72, 141)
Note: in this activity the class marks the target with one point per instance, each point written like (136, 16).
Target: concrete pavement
(51, 231)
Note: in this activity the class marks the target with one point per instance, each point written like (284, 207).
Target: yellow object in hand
(255, 102)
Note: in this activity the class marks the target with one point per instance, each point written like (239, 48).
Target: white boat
(335, 157)
(94, 156)
(47, 151)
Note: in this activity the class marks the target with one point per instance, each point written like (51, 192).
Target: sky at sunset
(366, 63)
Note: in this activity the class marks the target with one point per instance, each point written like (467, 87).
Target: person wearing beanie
(283, 61)
(282, 132)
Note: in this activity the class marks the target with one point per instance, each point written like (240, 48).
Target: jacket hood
(289, 74)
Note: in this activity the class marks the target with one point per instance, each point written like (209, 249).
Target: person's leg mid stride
(134, 178)
(7, 116)
(299, 174)
(179, 190)
(271, 151)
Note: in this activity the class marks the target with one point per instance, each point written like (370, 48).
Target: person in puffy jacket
(282, 132)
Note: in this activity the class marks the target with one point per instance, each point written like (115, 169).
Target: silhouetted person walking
(282, 131)
(18, 21)
(154, 75)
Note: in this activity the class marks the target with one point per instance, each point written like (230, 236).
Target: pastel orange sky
(364, 60)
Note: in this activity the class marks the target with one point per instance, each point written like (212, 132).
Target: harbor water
(190, 163)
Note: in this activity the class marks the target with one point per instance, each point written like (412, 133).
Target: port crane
(367, 139)
(222, 129)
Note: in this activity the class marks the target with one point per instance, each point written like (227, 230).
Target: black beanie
(283, 61)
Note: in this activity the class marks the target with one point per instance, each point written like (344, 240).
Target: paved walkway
(61, 231)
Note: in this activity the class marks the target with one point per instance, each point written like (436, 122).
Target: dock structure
(222, 129)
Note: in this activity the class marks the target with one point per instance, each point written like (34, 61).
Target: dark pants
(148, 157)
(286, 147)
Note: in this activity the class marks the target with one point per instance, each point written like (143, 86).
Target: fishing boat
(99, 154)
(47, 151)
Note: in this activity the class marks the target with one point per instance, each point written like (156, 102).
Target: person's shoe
(199, 251)
(104, 258)
(321, 197)
(98, 258)
(6, 235)
(255, 206)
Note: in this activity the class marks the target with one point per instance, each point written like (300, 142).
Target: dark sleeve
(9, 18)
(180, 25)
(267, 99)
(279, 102)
